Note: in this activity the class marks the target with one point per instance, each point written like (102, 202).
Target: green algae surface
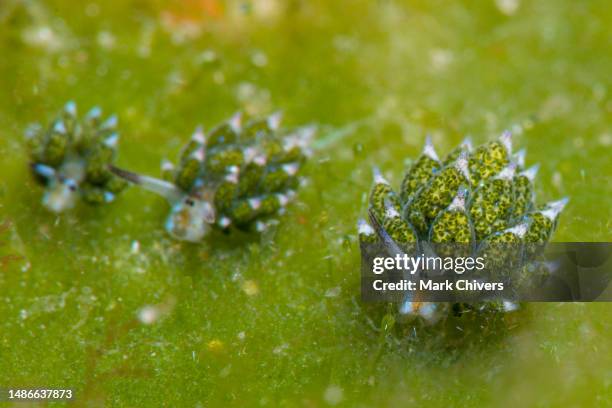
(101, 300)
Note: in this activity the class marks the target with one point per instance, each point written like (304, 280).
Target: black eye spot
(72, 187)
(189, 202)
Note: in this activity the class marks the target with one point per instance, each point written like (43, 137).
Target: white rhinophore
(255, 203)
(506, 140)
(291, 168)
(112, 141)
(233, 174)
(519, 157)
(224, 222)
(458, 202)
(199, 154)
(510, 306)
(391, 211)
(519, 230)
(379, 178)
(429, 150)
(161, 187)
(235, 122)
(111, 122)
(531, 172)
(94, 113)
(70, 108)
(429, 312)
(461, 164)
(467, 144)
(364, 228)
(250, 153)
(553, 208)
(60, 127)
(198, 135)
(167, 165)
(274, 120)
(507, 173)
(283, 200)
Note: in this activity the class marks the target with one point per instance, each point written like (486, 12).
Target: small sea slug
(236, 175)
(70, 157)
(479, 197)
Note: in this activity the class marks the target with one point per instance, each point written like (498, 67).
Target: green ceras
(475, 197)
(71, 156)
(234, 176)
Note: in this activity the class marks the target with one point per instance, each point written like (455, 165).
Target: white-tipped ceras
(236, 175)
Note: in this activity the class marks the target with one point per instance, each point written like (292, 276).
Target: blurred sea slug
(71, 156)
(476, 197)
(234, 176)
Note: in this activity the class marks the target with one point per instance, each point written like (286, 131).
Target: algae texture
(103, 301)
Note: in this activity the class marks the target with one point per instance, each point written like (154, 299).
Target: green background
(276, 320)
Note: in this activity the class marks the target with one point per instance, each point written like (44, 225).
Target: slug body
(479, 197)
(70, 159)
(235, 176)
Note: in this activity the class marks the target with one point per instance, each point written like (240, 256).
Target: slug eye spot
(189, 202)
(71, 184)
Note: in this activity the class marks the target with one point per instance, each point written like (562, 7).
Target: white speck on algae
(333, 292)
(333, 395)
(106, 40)
(250, 287)
(43, 37)
(508, 7)
(259, 59)
(279, 350)
(148, 315)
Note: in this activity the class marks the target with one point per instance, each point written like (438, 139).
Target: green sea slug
(70, 157)
(236, 175)
(480, 197)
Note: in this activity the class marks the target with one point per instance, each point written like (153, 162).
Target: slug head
(190, 219)
(60, 195)
(61, 192)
